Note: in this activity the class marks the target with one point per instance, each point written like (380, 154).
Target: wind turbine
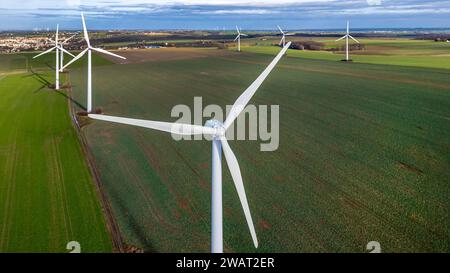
(283, 39)
(238, 38)
(217, 130)
(57, 48)
(62, 47)
(346, 36)
(89, 50)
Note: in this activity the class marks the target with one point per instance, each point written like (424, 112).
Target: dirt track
(166, 54)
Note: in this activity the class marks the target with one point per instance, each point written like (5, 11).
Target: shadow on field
(45, 83)
(50, 66)
(71, 99)
(137, 229)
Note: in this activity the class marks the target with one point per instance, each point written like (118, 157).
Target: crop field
(12, 64)
(403, 52)
(47, 194)
(364, 154)
(22, 62)
(165, 54)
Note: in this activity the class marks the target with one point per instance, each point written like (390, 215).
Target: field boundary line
(111, 224)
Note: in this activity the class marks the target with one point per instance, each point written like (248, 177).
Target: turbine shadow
(138, 228)
(50, 66)
(39, 78)
(40, 89)
(71, 100)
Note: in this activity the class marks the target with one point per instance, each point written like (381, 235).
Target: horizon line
(228, 29)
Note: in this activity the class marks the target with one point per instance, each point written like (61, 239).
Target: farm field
(402, 52)
(363, 156)
(22, 62)
(12, 64)
(47, 194)
(166, 54)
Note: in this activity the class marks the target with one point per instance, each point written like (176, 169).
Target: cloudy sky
(213, 14)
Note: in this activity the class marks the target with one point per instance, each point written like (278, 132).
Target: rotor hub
(213, 123)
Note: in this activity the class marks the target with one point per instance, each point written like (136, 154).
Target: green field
(47, 194)
(364, 155)
(402, 52)
(12, 63)
(21, 62)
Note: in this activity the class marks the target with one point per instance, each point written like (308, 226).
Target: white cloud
(204, 2)
(239, 11)
(375, 11)
(374, 2)
(108, 3)
(256, 7)
(73, 3)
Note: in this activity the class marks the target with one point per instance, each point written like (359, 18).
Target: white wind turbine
(238, 38)
(89, 50)
(57, 47)
(219, 143)
(346, 36)
(283, 39)
(61, 45)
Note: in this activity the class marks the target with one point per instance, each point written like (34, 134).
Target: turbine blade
(86, 36)
(75, 59)
(280, 30)
(108, 53)
(65, 51)
(245, 97)
(45, 52)
(281, 41)
(242, 34)
(235, 171)
(348, 27)
(68, 39)
(170, 127)
(56, 37)
(343, 37)
(353, 38)
(237, 37)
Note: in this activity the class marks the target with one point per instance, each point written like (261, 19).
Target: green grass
(23, 61)
(363, 156)
(401, 52)
(12, 63)
(432, 61)
(47, 195)
(396, 46)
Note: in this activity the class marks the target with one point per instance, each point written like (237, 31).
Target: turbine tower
(219, 144)
(346, 36)
(283, 38)
(89, 50)
(57, 48)
(238, 38)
